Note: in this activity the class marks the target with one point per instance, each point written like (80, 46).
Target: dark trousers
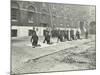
(47, 39)
(60, 38)
(67, 37)
(34, 43)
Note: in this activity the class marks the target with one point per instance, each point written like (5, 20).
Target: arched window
(14, 11)
(31, 14)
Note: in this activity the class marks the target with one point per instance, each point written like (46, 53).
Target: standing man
(71, 34)
(77, 34)
(86, 34)
(68, 35)
(47, 37)
(34, 38)
(65, 34)
(60, 36)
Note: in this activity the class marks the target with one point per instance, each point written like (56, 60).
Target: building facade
(27, 14)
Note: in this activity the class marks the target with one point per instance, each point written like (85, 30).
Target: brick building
(27, 14)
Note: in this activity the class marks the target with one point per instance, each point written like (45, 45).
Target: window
(14, 11)
(31, 12)
(30, 17)
(14, 14)
(44, 24)
(14, 33)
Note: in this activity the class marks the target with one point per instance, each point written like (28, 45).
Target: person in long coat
(86, 34)
(65, 34)
(72, 34)
(34, 39)
(60, 36)
(47, 37)
(68, 34)
(77, 34)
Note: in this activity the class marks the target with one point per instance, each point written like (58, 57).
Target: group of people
(62, 36)
(68, 35)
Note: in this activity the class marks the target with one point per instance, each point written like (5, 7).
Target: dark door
(14, 33)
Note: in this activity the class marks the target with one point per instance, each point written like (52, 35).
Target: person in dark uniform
(34, 39)
(60, 36)
(47, 37)
(65, 34)
(86, 34)
(71, 34)
(68, 35)
(77, 34)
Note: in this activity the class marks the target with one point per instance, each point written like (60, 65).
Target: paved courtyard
(69, 55)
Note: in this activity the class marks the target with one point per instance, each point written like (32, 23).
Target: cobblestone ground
(78, 57)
